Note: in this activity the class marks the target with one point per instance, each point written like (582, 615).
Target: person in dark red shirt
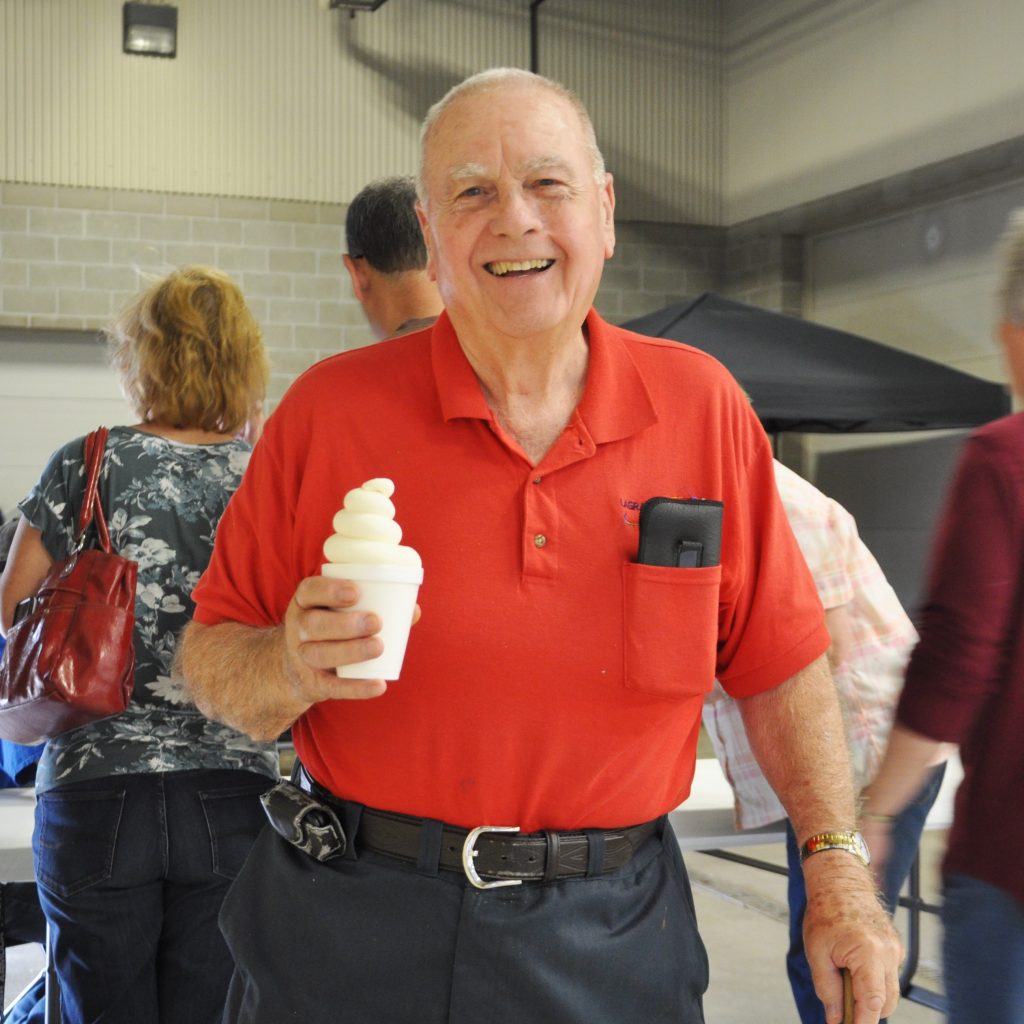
(965, 685)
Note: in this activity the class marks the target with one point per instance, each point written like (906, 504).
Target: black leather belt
(493, 856)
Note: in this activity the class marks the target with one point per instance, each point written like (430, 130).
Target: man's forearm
(238, 675)
(796, 733)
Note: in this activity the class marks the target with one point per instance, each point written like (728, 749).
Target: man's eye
(471, 193)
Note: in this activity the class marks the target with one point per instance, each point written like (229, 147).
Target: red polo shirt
(552, 682)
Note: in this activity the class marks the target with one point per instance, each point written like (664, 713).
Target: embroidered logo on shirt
(631, 511)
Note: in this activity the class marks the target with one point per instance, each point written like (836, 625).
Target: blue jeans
(132, 870)
(983, 953)
(906, 835)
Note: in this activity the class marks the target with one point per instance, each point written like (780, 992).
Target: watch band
(851, 842)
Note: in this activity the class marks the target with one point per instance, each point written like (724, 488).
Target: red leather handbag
(70, 654)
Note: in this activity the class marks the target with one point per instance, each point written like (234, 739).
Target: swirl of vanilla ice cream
(365, 531)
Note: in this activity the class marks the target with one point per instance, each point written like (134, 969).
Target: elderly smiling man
(553, 687)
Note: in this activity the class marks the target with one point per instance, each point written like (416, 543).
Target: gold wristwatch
(851, 842)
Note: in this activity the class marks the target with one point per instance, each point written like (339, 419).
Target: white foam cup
(390, 591)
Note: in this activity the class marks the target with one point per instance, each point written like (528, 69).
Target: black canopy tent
(804, 376)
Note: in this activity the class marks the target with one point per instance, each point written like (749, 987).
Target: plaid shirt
(871, 677)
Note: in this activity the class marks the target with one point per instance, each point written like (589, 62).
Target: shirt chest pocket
(670, 622)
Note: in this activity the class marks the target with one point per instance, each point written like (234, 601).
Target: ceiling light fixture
(150, 30)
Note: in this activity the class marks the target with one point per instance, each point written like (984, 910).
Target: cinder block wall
(657, 264)
(70, 258)
(765, 270)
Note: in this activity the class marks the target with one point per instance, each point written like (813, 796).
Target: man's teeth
(517, 266)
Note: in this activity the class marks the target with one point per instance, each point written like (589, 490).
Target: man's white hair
(1011, 289)
(496, 78)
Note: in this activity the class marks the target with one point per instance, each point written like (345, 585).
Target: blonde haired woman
(143, 819)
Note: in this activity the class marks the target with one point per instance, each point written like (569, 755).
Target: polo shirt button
(536, 479)
(539, 540)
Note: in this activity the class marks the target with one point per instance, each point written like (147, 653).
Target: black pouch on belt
(304, 821)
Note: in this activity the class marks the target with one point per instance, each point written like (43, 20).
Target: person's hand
(846, 926)
(322, 632)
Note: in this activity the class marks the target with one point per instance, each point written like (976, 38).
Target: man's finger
(326, 592)
(830, 992)
(328, 654)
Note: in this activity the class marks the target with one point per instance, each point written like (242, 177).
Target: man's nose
(515, 213)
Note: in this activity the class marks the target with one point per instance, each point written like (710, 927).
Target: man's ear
(357, 272)
(607, 199)
(421, 216)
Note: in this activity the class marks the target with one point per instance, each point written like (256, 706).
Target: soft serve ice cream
(366, 548)
(365, 531)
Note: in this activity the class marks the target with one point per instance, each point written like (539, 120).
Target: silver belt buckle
(469, 852)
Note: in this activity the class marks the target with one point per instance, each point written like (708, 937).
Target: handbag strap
(92, 507)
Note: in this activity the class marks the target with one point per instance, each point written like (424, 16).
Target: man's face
(517, 228)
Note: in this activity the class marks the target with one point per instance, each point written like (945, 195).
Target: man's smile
(503, 268)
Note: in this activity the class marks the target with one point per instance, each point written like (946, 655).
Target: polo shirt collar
(457, 385)
(616, 402)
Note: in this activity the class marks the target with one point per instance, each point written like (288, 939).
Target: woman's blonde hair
(190, 354)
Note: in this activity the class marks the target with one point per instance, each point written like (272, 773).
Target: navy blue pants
(131, 872)
(372, 939)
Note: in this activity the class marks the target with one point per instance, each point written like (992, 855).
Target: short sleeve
(52, 504)
(253, 571)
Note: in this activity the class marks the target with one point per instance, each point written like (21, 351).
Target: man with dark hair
(387, 259)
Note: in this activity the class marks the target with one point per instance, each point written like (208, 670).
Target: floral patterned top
(163, 500)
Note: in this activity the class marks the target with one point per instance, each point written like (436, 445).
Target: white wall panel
(265, 98)
(51, 390)
(650, 75)
(283, 99)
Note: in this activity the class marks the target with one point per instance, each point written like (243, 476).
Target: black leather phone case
(680, 532)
